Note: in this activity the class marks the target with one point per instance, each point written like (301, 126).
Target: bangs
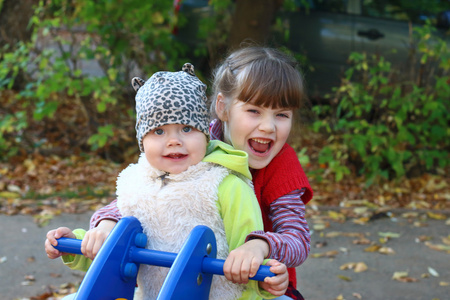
(272, 84)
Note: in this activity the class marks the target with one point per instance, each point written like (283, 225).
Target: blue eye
(159, 131)
(187, 129)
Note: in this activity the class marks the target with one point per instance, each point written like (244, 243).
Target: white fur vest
(169, 207)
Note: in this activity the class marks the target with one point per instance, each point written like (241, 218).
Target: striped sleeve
(109, 212)
(290, 241)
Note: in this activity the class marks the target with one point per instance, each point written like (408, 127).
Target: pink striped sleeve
(109, 212)
(290, 241)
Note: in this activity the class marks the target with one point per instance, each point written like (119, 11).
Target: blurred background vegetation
(66, 65)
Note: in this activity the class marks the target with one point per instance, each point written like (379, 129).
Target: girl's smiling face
(259, 131)
(174, 148)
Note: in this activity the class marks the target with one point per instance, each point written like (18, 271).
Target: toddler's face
(259, 131)
(174, 148)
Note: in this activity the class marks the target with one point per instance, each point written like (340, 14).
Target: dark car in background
(328, 31)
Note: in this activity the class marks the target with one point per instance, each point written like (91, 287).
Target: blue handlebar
(163, 259)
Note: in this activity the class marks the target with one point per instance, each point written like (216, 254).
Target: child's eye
(187, 129)
(283, 115)
(159, 131)
(253, 111)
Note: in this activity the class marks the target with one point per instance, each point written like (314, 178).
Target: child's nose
(267, 125)
(174, 140)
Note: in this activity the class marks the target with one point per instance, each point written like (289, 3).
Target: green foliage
(388, 124)
(127, 38)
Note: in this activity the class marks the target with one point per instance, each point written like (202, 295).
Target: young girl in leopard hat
(182, 180)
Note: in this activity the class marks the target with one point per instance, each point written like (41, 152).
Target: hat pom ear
(188, 68)
(137, 83)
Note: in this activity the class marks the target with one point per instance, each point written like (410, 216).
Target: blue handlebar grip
(69, 245)
(215, 266)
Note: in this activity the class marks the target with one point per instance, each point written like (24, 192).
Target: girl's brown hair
(263, 76)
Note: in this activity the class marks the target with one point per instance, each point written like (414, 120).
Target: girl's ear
(221, 107)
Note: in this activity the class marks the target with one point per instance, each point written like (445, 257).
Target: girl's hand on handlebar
(244, 261)
(51, 241)
(276, 285)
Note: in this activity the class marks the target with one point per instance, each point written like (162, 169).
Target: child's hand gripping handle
(209, 265)
(69, 245)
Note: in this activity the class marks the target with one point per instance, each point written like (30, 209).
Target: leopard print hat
(170, 98)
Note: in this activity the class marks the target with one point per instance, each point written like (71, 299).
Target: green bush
(385, 123)
(126, 38)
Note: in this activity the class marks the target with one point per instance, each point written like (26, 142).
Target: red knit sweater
(283, 175)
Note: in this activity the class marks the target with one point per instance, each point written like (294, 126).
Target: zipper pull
(163, 179)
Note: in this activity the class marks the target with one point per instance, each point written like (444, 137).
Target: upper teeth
(261, 141)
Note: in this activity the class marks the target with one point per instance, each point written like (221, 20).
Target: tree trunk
(14, 18)
(252, 21)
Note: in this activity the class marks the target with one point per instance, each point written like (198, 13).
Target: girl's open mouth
(259, 145)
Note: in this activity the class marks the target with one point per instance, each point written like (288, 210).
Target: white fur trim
(169, 212)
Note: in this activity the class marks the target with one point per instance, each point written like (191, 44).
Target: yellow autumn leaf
(336, 216)
(372, 248)
(361, 221)
(408, 215)
(331, 253)
(436, 216)
(346, 278)
(9, 195)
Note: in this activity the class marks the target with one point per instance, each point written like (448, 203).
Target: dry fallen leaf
(446, 240)
(346, 278)
(361, 221)
(336, 216)
(357, 296)
(386, 250)
(408, 215)
(403, 277)
(389, 234)
(372, 248)
(363, 241)
(331, 253)
(332, 234)
(438, 247)
(360, 267)
(357, 267)
(433, 272)
(436, 216)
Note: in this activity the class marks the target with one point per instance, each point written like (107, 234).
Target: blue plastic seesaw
(112, 274)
